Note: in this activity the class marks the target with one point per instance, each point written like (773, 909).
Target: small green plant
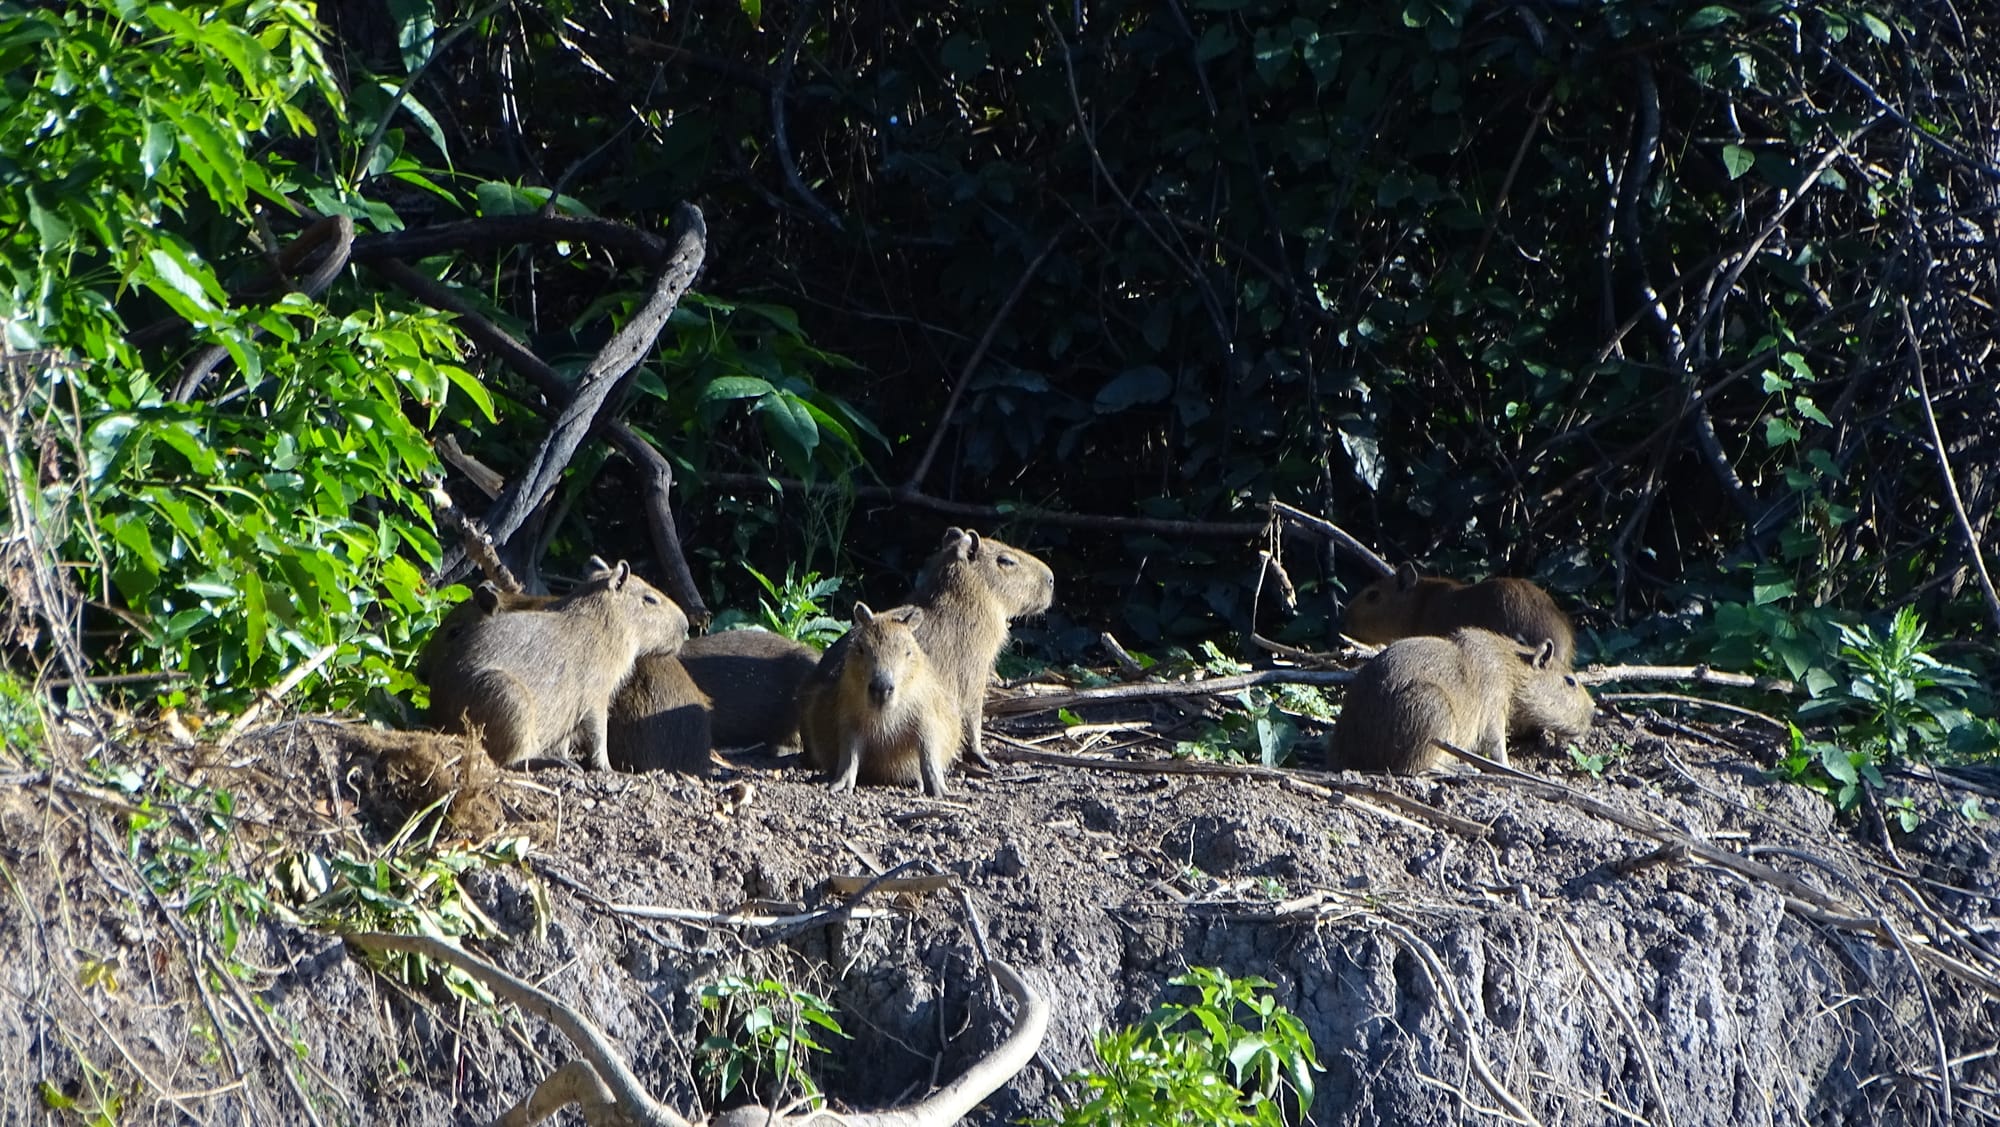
(1833, 769)
(1261, 733)
(796, 609)
(412, 886)
(97, 1101)
(1910, 702)
(20, 715)
(1903, 811)
(182, 840)
(761, 1038)
(1197, 1064)
(1592, 764)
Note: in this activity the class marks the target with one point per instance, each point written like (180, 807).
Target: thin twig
(1944, 467)
(971, 365)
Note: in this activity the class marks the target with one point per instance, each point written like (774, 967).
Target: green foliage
(1880, 694)
(413, 885)
(98, 1101)
(244, 535)
(1593, 763)
(796, 608)
(1910, 705)
(761, 1038)
(183, 840)
(1263, 732)
(1197, 1063)
(20, 715)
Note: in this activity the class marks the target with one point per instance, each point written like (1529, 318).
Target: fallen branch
(1163, 690)
(1699, 674)
(609, 1093)
(275, 693)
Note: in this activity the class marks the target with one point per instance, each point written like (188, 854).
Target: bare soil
(1454, 943)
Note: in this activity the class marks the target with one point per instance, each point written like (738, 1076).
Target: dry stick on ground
(1699, 674)
(1441, 987)
(1700, 702)
(264, 700)
(1944, 467)
(1014, 752)
(1163, 690)
(604, 1084)
(1800, 897)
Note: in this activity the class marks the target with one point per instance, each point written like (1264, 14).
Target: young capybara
(887, 718)
(659, 720)
(538, 681)
(753, 678)
(1404, 605)
(1472, 689)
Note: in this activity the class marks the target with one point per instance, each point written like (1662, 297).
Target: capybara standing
(887, 718)
(1471, 690)
(968, 590)
(1404, 605)
(753, 678)
(538, 681)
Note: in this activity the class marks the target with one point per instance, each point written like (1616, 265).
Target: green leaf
(1738, 160)
(472, 388)
(157, 147)
(790, 425)
(1133, 387)
(180, 283)
(1714, 15)
(1876, 27)
(735, 387)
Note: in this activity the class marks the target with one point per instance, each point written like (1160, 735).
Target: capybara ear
(960, 543)
(907, 615)
(862, 615)
(1406, 575)
(487, 595)
(1547, 656)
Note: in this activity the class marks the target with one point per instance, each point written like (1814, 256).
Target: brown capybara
(1472, 690)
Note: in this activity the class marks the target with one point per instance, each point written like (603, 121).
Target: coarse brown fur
(659, 720)
(969, 589)
(659, 717)
(1472, 690)
(753, 678)
(538, 681)
(1403, 606)
(886, 718)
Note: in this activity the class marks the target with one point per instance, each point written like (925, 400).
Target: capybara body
(753, 679)
(1405, 605)
(886, 717)
(659, 720)
(537, 681)
(1472, 689)
(969, 590)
